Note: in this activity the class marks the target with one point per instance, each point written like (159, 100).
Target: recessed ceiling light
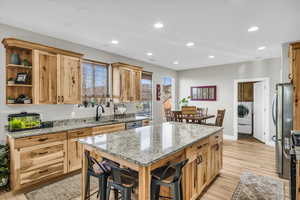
(115, 42)
(175, 62)
(149, 54)
(190, 44)
(253, 29)
(158, 25)
(211, 56)
(261, 48)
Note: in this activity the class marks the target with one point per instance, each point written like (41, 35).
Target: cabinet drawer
(40, 139)
(108, 128)
(216, 138)
(42, 173)
(79, 133)
(195, 150)
(41, 157)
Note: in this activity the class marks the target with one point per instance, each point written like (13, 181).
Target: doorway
(251, 106)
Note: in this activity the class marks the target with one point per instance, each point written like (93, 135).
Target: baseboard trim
(229, 137)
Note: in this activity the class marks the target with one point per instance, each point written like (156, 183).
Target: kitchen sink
(105, 121)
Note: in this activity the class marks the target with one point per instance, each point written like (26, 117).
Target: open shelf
(19, 66)
(18, 85)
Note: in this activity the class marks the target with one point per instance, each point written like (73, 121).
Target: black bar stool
(123, 180)
(99, 171)
(168, 176)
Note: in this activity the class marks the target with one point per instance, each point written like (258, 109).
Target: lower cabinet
(205, 163)
(75, 149)
(197, 169)
(44, 159)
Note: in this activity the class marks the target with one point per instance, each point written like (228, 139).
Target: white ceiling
(217, 27)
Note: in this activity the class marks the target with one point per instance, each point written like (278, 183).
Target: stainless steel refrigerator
(282, 113)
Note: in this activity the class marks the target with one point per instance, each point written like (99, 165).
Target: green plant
(184, 101)
(4, 171)
(10, 98)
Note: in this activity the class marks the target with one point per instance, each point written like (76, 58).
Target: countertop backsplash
(57, 113)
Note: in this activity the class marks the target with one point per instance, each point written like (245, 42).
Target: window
(95, 82)
(146, 103)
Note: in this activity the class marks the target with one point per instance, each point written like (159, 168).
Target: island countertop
(146, 145)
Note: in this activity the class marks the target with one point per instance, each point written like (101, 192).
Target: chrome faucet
(97, 112)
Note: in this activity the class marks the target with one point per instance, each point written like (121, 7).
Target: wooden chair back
(220, 118)
(202, 111)
(177, 116)
(189, 110)
(168, 114)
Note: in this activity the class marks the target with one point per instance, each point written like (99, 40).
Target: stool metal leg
(155, 190)
(87, 187)
(108, 191)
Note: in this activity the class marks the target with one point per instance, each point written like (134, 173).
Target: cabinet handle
(218, 146)
(42, 153)
(58, 99)
(199, 160)
(199, 147)
(42, 139)
(62, 99)
(216, 136)
(41, 172)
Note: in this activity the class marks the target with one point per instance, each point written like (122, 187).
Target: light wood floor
(239, 156)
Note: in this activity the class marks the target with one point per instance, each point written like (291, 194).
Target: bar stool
(123, 180)
(168, 176)
(97, 170)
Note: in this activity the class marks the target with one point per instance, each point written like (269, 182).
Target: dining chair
(168, 115)
(219, 119)
(202, 112)
(177, 116)
(189, 111)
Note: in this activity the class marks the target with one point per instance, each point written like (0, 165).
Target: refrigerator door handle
(274, 109)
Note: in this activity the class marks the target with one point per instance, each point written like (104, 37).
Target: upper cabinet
(70, 80)
(126, 82)
(51, 75)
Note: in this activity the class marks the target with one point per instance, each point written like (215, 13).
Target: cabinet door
(45, 78)
(125, 85)
(70, 80)
(75, 152)
(191, 174)
(248, 92)
(202, 171)
(136, 85)
(216, 159)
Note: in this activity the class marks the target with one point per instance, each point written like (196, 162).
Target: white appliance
(245, 110)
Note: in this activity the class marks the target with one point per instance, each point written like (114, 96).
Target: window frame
(94, 62)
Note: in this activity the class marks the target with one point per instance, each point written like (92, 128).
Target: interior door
(259, 111)
(70, 80)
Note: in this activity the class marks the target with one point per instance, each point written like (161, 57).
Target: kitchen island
(148, 148)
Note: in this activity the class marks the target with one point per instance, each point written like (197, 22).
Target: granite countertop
(146, 145)
(72, 126)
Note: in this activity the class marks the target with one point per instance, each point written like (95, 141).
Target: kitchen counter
(146, 145)
(73, 126)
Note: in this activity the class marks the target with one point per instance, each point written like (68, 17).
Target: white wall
(223, 76)
(51, 112)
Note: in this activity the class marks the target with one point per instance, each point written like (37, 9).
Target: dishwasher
(135, 124)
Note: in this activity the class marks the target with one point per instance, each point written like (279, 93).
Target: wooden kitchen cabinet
(216, 155)
(108, 128)
(55, 76)
(37, 158)
(45, 72)
(245, 92)
(75, 149)
(126, 82)
(70, 80)
(197, 168)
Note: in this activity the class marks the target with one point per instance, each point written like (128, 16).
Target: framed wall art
(204, 93)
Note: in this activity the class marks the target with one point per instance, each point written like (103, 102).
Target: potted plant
(10, 100)
(184, 101)
(11, 81)
(4, 172)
